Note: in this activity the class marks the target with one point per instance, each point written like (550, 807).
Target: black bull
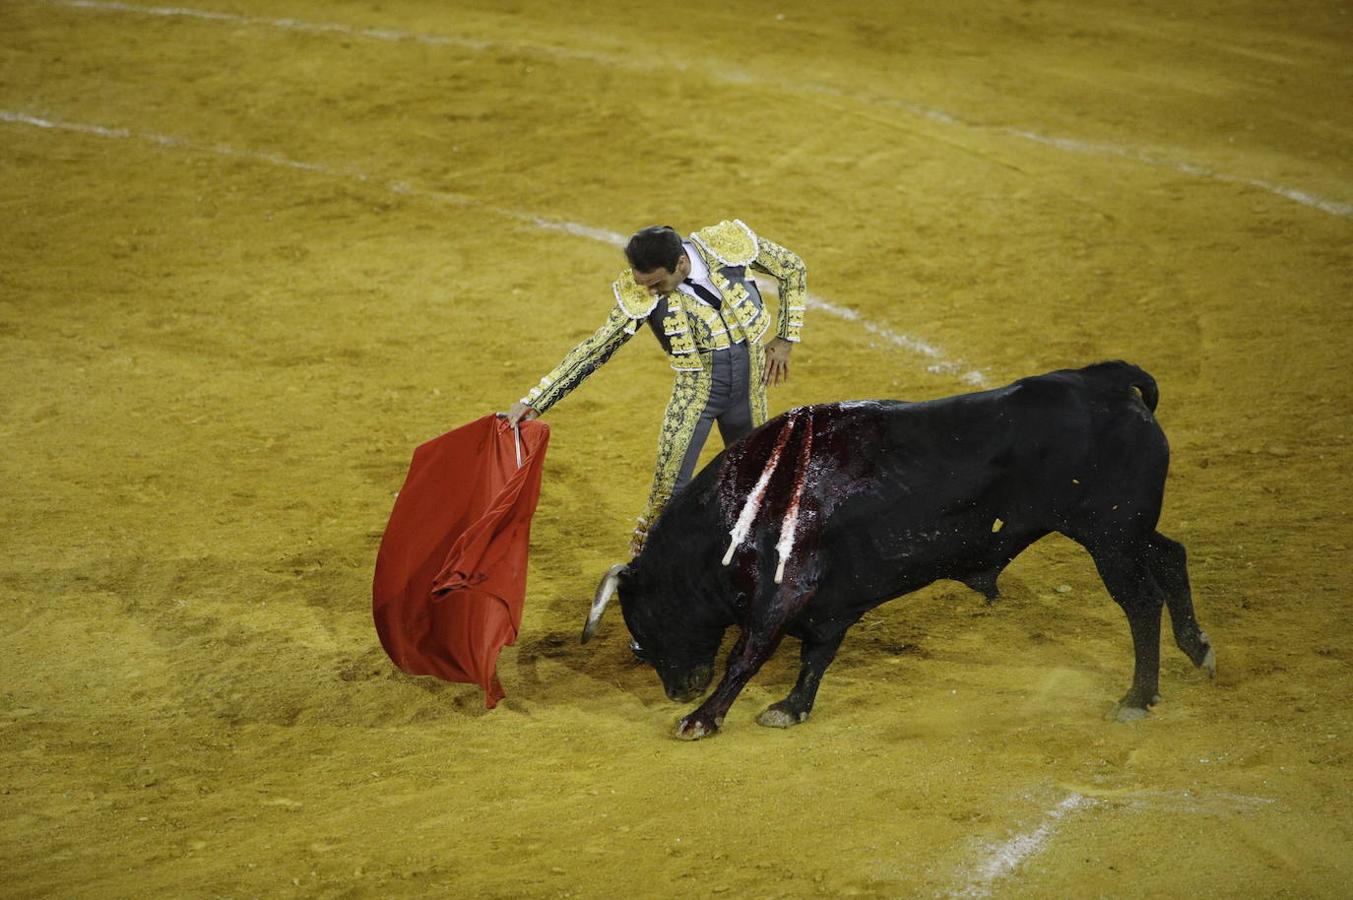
(827, 511)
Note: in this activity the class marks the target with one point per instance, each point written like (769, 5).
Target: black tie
(705, 294)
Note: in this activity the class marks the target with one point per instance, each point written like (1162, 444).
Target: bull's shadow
(827, 511)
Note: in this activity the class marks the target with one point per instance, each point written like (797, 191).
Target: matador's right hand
(518, 411)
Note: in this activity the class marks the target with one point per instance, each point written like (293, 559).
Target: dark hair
(656, 247)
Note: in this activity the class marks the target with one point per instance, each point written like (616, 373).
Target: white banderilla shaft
(753, 504)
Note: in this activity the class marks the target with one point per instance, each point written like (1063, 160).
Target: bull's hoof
(1209, 663)
(693, 728)
(780, 716)
(1131, 708)
(1123, 713)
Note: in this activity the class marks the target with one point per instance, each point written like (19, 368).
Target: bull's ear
(603, 596)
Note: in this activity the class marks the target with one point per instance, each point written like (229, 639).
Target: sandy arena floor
(252, 253)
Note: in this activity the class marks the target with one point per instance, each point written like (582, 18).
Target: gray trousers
(729, 404)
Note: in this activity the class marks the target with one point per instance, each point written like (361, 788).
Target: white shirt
(699, 274)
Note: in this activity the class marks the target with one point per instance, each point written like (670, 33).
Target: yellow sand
(294, 253)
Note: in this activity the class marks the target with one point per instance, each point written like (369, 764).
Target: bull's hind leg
(1127, 575)
(1169, 568)
(815, 655)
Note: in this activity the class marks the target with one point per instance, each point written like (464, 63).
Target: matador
(698, 298)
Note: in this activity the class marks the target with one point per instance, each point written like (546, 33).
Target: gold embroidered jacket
(689, 331)
(685, 326)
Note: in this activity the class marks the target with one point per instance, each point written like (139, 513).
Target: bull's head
(668, 635)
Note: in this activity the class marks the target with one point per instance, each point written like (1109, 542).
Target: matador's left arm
(788, 270)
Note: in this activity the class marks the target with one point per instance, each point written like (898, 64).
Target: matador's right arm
(582, 361)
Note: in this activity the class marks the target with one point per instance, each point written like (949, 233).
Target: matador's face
(661, 281)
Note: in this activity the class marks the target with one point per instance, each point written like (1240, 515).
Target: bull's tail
(1119, 375)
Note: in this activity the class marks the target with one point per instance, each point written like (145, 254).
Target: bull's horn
(604, 592)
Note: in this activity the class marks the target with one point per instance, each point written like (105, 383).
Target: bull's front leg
(776, 601)
(815, 655)
(749, 654)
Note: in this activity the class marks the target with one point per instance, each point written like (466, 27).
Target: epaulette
(633, 298)
(731, 243)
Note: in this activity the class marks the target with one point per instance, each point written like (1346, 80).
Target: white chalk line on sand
(377, 34)
(1093, 149)
(937, 362)
(721, 74)
(1001, 860)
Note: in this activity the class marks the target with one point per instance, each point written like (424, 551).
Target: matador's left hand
(777, 362)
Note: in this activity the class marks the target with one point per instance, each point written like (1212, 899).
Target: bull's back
(891, 495)
(913, 492)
